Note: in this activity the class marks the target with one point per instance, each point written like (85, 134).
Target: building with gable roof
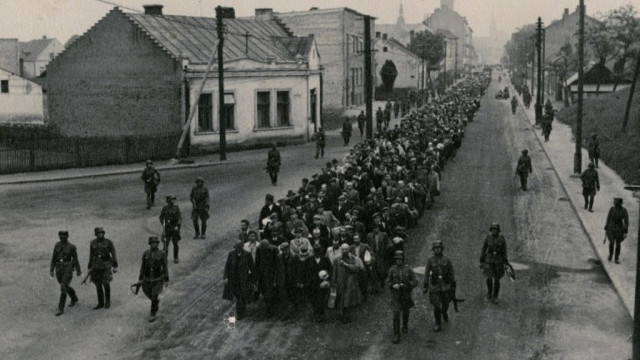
(137, 74)
(408, 64)
(401, 31)
(21, 100)
(36, 54)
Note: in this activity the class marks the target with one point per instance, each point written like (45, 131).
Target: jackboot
(489, 288)
(100, 297)
(74, 297)
(396, 331)
(496, 291)
(436, 314)
(107, 296)
(61, 302)
(405, 321)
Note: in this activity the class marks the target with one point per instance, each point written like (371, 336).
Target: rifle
(604, 241)
(135, 288)
(455, 299)
(509, 270)
(84, 281)
(163, 238)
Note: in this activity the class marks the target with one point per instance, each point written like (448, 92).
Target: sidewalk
(560, 150)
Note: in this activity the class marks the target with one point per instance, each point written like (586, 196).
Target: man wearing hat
(321, 141)
(493, 258)
(378, 243)
(151, 178)
(200, 200)
(590, 185)
(616, 228)
(270, 276)
(269, 208)
(102, 259)
(345, 281)
(293, 274)
(237, 278)
(317, 282)
(364, 253)
(440, 282)
(401, 280)
(171, 220)
(154, 274)
(63, 262)
(523, 169)
(594, 149)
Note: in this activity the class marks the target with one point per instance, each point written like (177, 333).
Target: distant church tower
(446, 4)
(401, 16)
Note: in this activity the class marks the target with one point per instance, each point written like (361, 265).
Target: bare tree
(624, 27)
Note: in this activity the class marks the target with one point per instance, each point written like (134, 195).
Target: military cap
(153, 239)
(494, 226)
(617, 200)
(98, 230)
(591, 166)
(171, 197)
(63, 233)
(525, 151)
(437, 243)
(199, 179)
(399, 254)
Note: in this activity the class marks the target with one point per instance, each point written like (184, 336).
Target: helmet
(437, 243)
(153, 239)
(98, 230)
(63, 233)
(494, 226)
(398, 255)
(199, 179)
(591, 166)
(525, 151)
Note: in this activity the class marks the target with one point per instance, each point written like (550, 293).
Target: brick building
(340, 36)
(138, 74)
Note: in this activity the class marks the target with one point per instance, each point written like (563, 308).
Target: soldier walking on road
(237, 278)
(440, 282)
(102, 261)
(401, 281)
(347, 128)
(273, 163)
(171, 220)
(321, 141)
(200, 200)
(594, 149)
(154, 274)
(151, 178)
(590, 185)
(63, 262)
(523, 169)
(514, 104)
(493, 258)
(361, 120)
(616, 228)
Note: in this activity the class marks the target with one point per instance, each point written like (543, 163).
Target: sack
(332, 298)
(367, 257)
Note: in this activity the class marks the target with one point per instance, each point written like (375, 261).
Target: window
(205, 114)
(229, 111)
(4, 86)
(384, 49)
(355, 44)
(283, 109)
(264, 109)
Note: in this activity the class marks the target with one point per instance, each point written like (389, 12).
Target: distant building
(401, 31)
(340, 36)
(35, 55)
(21, 100)
(138, 75)
(10, 55)
(408, 64)
(446, 18)
(491, 48)
(597, 79)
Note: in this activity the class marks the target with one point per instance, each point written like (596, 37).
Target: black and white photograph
(337, 179)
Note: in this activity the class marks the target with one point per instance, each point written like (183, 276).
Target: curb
(614, 280)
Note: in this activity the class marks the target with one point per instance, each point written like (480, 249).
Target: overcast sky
(30, 19)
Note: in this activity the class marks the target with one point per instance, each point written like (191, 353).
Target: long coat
(439, 278)
(273, 160)
(238, 271)
(617, 223)
(379, 243)
(345, 280)
(269, 270)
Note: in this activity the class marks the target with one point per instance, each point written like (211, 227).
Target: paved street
(561, 306)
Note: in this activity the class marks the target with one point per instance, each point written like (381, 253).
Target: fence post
(32, 156)
(78, 154)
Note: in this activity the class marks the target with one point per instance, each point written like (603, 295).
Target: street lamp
(636, 306)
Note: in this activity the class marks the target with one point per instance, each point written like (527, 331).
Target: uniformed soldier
(151, 178)
(154, 274)
(523, 169)
(594, 149)
(102, 260)
(171, 220)
(200, 200)
(64, 261)
(401, 280)
(440, 283)
(514, 104)
(590, 185)
(493, 258)
(321, 141)
(616, 228)
(273, 163)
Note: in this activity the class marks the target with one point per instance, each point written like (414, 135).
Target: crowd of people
(333, 242)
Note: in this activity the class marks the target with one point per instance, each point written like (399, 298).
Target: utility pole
(538, 106)
(577, 156)
(444, 74)
(533, 63)
(635, 355)
(222, 13)
(368, 77)
(455, 62)
(544, 45)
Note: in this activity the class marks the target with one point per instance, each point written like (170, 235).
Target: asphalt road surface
(561, 306)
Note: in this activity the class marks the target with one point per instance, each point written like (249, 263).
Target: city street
(561, 305)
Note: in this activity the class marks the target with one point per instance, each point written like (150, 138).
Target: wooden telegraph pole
(368, 76)
(577, 156)
(222, 13)
(538, 106)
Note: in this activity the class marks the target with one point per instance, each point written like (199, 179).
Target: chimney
(313, 9)
(264, 14)
(411, 34)
(384, 36)
(565, 14)
(44, 37)
(377, 34)
(153, 9)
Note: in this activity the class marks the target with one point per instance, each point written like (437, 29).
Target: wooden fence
(60, 153)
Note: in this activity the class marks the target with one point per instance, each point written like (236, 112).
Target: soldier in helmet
(439, 282)
(171, 220)
(200, 199)
(590, 185)
(102, 261)
(523, 169)
(151, 178)
(401, 280)
(154, 274)
(493, 258)
(63, 262)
